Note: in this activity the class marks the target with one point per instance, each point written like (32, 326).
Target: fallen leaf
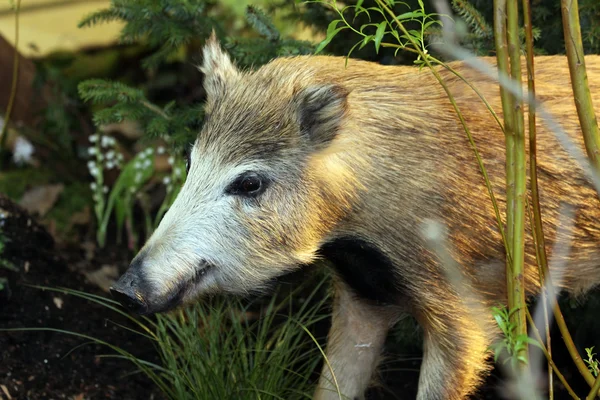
(41, 199)
(89, 248)
(82, 217)
(128, 128)
(103, 277)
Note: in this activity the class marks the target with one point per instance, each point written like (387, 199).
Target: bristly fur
(363, 156)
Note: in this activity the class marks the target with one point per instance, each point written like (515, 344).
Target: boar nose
(127, 292)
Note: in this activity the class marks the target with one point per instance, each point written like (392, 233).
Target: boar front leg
(457, 335)
(357, 335)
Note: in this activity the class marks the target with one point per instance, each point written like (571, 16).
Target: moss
(14, 183)
(74, 199)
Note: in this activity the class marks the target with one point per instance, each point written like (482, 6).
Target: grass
(227, 348)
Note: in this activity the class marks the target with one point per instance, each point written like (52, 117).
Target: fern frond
(473, 18)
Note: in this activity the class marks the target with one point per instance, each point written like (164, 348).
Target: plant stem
(594, 392)
(506, 26)
(579, 80)
(549, 358)
(503, 68)
(14, 85)
(538, 231)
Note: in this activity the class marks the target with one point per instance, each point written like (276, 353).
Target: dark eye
(249, 184)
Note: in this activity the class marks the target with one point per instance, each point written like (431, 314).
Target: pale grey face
(255, 203)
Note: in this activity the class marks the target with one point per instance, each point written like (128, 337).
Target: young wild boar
(304, 159)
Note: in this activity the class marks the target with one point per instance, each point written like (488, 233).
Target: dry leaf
(41, 199)
(5, 390)
(103, 277)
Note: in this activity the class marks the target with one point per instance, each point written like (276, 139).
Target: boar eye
(249, 184)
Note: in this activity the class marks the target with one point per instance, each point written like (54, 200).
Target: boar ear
(217, 67)
(322, 110)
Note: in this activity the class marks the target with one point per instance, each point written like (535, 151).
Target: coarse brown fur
(384, 154)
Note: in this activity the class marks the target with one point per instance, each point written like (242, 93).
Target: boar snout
(129, 290)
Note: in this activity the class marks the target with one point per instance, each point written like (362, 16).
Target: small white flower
(138, 177)
(120, 157)
(91, 151)
(96, 198)
(137, 165)
(147, 163)
(171, 160)
(166, 180)
(22, 151)
(107, 141)
(132, 190)
(110, 164)
(169, 188)
(105, 189)
(94, 171)
(160, 150)
(149, 151)
(110, 155)
(93, 186)
(100, 157)
(177, 172)
(93, 138)
(91, 165)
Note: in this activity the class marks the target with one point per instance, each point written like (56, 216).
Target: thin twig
(538, 231)
(549, 358)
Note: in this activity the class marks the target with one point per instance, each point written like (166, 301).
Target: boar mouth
(176, 298)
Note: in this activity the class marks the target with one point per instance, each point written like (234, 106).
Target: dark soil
(53, 365)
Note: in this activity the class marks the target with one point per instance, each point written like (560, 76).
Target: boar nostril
(126, 292)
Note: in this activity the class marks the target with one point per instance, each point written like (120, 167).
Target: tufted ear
(322, 109)
(217, 67)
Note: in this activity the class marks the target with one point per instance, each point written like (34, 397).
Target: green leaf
(332, 30)
(379, 35)
(410, 15)
(366, 40)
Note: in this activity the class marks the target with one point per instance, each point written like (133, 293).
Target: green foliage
(411, 39)
(4, 263)
(129, 186)
(170, 28)
(226, 349)
(165, 25)
(179, 124)
(592, 361)
(511, 344)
